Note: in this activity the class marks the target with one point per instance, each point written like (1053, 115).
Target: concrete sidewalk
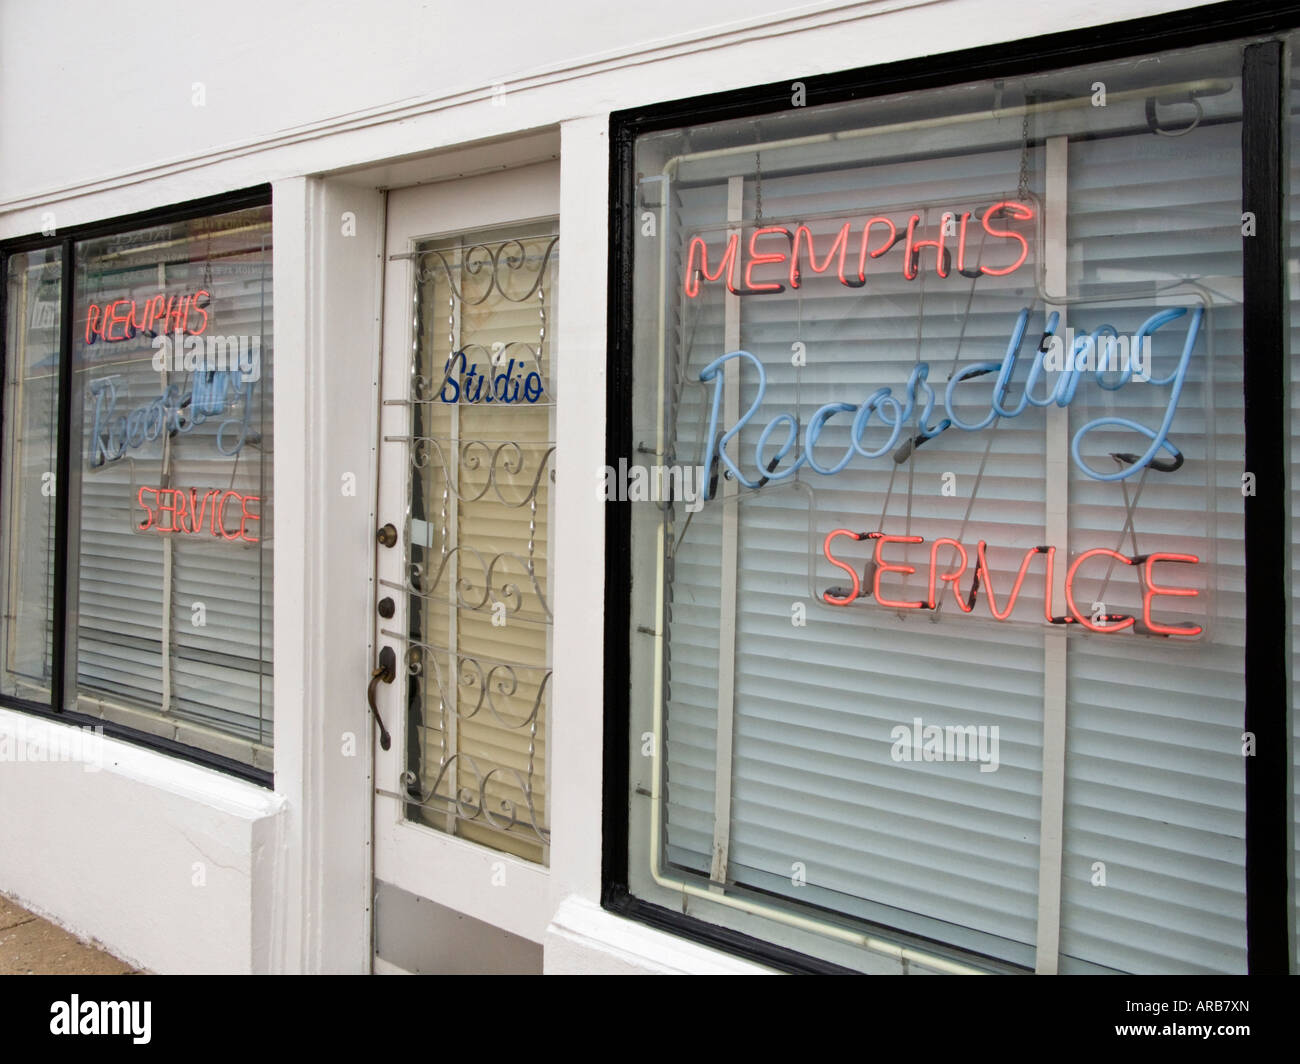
(32, 946)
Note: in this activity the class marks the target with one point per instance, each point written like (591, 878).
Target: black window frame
(1269, 933)
(66, 240)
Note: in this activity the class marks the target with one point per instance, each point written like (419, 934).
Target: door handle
(385, 672)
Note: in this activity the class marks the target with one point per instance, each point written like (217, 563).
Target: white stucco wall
(170, 866)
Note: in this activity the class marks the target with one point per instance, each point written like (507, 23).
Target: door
(462, 651)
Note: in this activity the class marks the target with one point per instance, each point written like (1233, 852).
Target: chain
(541, 314)
(442, 733)
(208, 286)
(541, 337)
(758, 187)
(532, 531)
(532, 756)
(1023, 188)
(445, 501)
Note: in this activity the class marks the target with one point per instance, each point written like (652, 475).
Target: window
(31, 420)
(142, 600)
(482, 447)
(936, 486)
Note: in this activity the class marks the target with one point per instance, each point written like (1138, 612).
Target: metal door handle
(385, 672)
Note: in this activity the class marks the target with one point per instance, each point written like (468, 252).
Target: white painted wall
(583, 939)
(287, 96)
(97, 119)
(170, 866)
(271, 65)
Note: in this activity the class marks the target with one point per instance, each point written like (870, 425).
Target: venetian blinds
(30, 448)
(805, 669)
(171, 513)
(479, 664)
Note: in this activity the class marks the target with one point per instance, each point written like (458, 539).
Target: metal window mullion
(1268, 574)
(729, 575)
(1056, 520)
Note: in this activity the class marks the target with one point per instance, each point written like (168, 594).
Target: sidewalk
(32, 946)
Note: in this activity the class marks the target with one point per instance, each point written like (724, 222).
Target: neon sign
(123, 318)
(869, 586)
(212, 393)
(918, 404)
(188, 513)
(791, 243)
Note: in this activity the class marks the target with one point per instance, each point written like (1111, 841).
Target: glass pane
(170, 574)
(953, 380)
(31, 400)
(482, 417)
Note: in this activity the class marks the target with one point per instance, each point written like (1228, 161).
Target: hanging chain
(207, 271)
(532, 756)
(758, 187)
(1022, 189)
(541, 334)
(532, 532)
(442, 732)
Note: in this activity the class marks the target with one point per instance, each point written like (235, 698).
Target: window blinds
(480, 534)
(30, 448)
(821, 813)
(1154, 768)
(173, 628)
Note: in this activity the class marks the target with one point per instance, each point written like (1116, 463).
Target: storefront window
(31, 406)
(168, 573)
(936, 631)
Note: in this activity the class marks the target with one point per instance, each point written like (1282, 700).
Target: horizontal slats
(1154, 777)
(219, 610)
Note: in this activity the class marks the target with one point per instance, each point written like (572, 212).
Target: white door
(465, 477)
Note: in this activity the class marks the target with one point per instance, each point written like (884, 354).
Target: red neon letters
(189, 513)
(1152, 590)
(756, 259)
(726, 266)
(883, 567)
(802, 242)
(1092, 626)
(853, 573)
(123, 318)
(952, 573)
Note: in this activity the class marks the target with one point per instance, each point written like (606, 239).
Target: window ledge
(584, 939)
(28, 738)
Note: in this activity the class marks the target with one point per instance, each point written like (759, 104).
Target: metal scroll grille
(480, 471)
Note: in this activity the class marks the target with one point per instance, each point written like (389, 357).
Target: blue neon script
(213, 393)
(918, 404)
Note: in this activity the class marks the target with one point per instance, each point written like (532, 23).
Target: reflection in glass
(31, 399)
